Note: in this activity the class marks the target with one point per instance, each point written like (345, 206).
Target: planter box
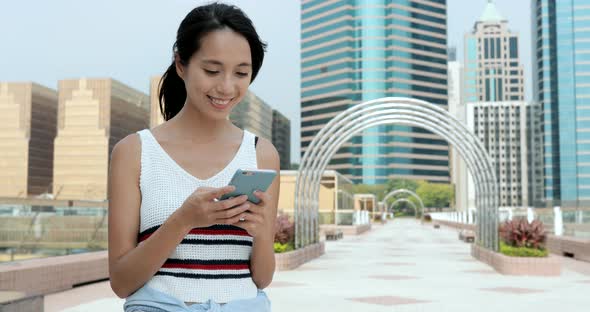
(577, 248)
(346, 229)
(53, 274)
(548, 266)
(290, 260)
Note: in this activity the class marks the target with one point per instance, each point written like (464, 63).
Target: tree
(437, 195)
(396, 184)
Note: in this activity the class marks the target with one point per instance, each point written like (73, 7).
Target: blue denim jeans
(147, 299)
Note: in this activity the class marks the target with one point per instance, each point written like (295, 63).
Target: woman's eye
(242, 74)
(211, 72)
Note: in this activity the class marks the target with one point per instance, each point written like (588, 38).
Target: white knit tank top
(210, 263)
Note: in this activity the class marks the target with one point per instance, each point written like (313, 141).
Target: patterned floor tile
(514, 290)
(392, 277)
(285, 284)
(388, 300)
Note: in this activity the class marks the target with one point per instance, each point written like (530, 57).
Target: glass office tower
(353, 51)
(561, 67)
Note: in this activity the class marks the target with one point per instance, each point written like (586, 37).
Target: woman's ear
(179, 66)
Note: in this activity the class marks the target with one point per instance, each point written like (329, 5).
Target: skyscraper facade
(28, 117)
(502, 129)
(561, 72)
(493, 71)
(354, 51)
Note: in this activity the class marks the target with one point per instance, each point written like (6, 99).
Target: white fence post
(530, 214)
(557, 221)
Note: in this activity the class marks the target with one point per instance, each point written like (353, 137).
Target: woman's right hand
(202, 209)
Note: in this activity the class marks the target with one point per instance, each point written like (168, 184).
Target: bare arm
(130, 265)
(262, 262)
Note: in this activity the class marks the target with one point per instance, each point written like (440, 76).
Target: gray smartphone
(248, 181)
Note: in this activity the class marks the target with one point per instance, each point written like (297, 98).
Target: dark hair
(198, 23)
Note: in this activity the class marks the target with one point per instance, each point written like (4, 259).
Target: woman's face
(218, 74)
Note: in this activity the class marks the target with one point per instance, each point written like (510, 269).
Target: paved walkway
(401, 266)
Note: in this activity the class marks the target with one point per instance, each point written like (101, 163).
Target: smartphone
(248, 181)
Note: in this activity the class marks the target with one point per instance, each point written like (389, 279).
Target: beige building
(281, 138)
(156, 117)
(335, 195)
(28, 114)
(93, 115)
(254, 115)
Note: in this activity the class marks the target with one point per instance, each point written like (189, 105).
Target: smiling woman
(172, 243)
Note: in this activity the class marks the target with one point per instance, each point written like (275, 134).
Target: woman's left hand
(259, 220)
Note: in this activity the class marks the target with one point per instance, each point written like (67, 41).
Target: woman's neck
(190, 121)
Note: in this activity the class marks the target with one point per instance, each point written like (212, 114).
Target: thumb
(216, 193)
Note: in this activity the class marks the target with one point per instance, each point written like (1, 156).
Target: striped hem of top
(218, 229)
(205, 276)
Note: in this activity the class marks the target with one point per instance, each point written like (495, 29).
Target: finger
(256, 209)
(232, 212)
(232, 202)
(250, 217)
(236, 219)
(264, 197)
(216, 193)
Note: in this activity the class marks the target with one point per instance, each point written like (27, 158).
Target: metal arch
(387, 120)
(393, 193)
(414, 121)
(405, 200)
(404, 111)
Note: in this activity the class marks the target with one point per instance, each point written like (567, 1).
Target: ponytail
(172, 93)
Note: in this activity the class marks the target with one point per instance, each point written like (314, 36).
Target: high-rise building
(458, 168)
(354, 51)
(281, 138)
(503, 129)
(561, 73)
(93, 115)
(254, 115)
(493, 71)
(28, 115)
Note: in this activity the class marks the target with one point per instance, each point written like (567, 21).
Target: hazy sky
(131, 40)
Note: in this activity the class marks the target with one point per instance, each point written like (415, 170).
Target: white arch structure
(405, 200)
(400, 111)
(405, 191)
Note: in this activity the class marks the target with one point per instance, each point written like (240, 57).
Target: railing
(29, 231)
(557, 221)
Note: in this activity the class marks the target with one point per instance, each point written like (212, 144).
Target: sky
(131, 41)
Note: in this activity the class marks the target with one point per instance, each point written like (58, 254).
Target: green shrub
(522, 251)
(280, 248)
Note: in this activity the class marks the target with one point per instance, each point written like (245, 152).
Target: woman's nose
(226, 86)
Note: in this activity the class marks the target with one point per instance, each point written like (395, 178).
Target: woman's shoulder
(127, 149)
(266, 154)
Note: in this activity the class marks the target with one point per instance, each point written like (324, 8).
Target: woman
(172, 245)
